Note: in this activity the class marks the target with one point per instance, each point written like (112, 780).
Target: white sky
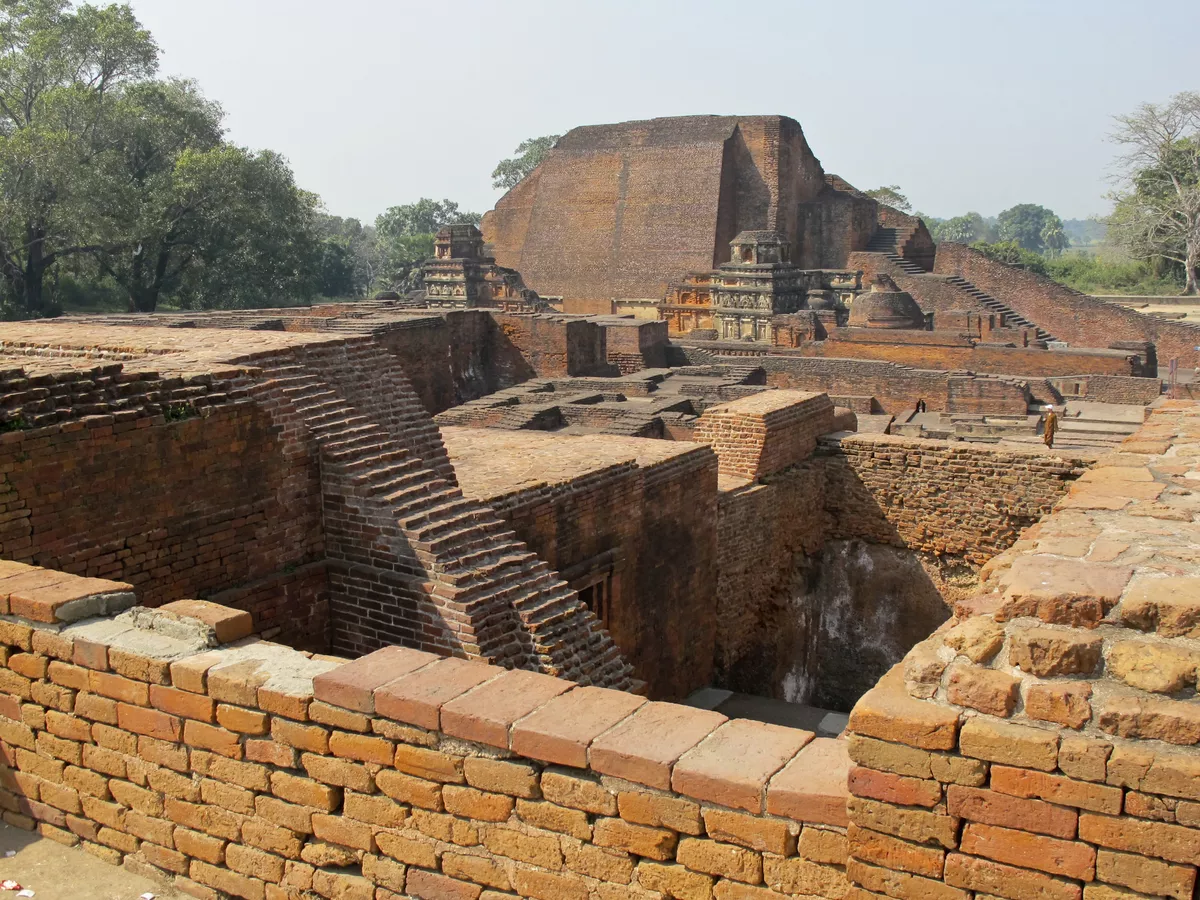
(966, 104)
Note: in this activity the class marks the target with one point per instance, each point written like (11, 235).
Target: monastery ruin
(618, 563)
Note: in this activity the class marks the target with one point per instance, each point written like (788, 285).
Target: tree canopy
(963, 229)
(529, 154)
(117, 175)
(890, 195)
(404, 238)
(1033, 227)
(1157, 211)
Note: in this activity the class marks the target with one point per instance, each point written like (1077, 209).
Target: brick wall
(766, 432)
(1108, 389)
(802, 615)
(183, 508)
(455, 357)
(897, 388)
(933, 351)
(641, 515)
(943, 498)
(1044, 743)
(254, 771)
(554, 346)
(1067, 314)
(763, 531)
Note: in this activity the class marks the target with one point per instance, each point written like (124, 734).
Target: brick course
(396, 806)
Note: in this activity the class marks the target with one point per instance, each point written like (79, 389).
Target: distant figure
(920, 406)
(1051, 427)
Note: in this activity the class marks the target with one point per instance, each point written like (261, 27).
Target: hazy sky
(966, 104)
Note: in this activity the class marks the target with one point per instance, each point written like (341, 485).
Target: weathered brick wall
(620, 211)
(763, 530)
(896, 387)
(933, 351)
(780, 574)
(554, 346)
(254, 771)
(1108, 389)
(650, 519)
(180, 508)
(766, 432)
(455, 357)
(1045, 742)
(944, 498)
(1067, 314)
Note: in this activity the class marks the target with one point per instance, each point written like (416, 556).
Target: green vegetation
(889, 195)
(1157, 212)
(119, 190)
(529, 153)
(1086, 272)
(119, 181)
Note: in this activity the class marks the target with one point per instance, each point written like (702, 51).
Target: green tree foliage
(1013, 254)
(1086, 272)
(61, 74)
(963, 229)
(529, 154)
(890, 195)
(404, 239)
(349, 256)
(1029, 225)
(1096, 275)
(1157, 212)
(125, 181)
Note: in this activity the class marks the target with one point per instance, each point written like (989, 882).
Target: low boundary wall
(256, 771)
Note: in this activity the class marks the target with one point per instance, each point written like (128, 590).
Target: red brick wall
(1069, 315)
(1018, 361)
(658, 520)
(178, 509)
(262, 772)
(944, 498)
(896, 387)
(554, 346)
(455, 357)
(1038, 745)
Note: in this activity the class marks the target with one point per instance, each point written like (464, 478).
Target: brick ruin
(467, 595)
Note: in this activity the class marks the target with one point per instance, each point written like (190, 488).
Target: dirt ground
(55, 872)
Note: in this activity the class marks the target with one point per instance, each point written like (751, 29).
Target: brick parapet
(1071, 316)
(896, 387)
(945, 498)
(766, 433)
(252, 770)
(1046, 741)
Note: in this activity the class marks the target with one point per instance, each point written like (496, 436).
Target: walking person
(1051, 427)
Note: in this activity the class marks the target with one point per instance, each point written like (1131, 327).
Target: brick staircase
(450, 562)
(991, 303)
(892, 242)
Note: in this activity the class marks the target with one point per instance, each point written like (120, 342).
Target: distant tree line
(1150, 243)
(120, 189)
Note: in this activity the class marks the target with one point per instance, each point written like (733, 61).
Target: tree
(405, 235)
(890, 196)
(1054, 237)
(256, 242)
(529, 154)
(61, 71)
(349, 261)
(962, 229)
(1157, 212)
(423, 217)
(1025, 224)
